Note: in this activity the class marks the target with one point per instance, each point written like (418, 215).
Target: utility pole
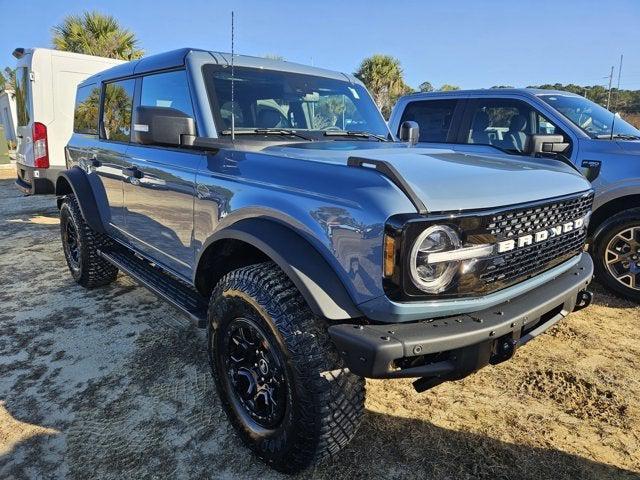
(610, 82)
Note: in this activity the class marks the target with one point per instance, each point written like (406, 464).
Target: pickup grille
(521, 263)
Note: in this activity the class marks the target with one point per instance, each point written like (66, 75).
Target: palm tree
(93, 33)
(382, 74)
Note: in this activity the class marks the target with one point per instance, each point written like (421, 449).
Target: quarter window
(86, 112)
(116, 114)
(545, 127)
(433, 117)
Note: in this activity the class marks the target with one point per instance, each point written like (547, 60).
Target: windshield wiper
(344, 133)
(268, 131)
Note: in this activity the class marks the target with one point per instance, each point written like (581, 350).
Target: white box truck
(45, 96)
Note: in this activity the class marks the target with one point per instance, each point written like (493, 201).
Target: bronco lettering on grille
(542, 235)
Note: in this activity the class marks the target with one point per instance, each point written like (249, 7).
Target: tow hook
(585, 297)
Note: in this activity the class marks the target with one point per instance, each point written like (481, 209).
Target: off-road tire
(325, 401)
(618, 223)
(90, 270)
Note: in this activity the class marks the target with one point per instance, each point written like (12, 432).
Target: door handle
(132, 172)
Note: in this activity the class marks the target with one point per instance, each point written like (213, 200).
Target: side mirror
(409, 132)
(547, 144)
(162, 126)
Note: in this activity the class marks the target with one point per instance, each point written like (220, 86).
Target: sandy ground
(112, 383)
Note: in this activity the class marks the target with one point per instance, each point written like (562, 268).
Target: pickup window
(504, 123)
(433, 117)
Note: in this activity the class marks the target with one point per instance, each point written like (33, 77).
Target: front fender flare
(77, 179)
(320, 286)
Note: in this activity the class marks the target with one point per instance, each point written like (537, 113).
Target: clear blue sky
(467, 43)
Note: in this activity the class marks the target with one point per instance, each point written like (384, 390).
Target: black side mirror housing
(162, 126)
(549, 144)
(409, 132)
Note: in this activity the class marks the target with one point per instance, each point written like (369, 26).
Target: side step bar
(176, 292)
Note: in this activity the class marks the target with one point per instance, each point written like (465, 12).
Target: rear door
(159, 191)
(108, 158)
(437, 119)
(24, 112)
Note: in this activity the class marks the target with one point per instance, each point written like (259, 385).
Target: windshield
(593, 119)
(267, 99)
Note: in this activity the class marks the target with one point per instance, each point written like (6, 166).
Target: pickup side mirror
(547, 144)
(409, 132)
(162, 126)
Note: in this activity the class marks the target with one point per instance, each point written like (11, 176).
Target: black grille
(535, 218)
(525, 262)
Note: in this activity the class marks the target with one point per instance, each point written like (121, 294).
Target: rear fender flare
(75, 180)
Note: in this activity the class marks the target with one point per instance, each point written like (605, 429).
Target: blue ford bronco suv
(270, 203)
(555, 124)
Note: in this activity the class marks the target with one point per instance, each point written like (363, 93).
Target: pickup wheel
(80, 244)
(281, 381)
(617, 254)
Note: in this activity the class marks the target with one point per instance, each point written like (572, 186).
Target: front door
(159, 190)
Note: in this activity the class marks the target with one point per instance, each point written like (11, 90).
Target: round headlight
(433, 277)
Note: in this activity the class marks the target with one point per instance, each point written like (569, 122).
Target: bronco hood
(446, 180)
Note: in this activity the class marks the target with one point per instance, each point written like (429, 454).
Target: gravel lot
(112, 383)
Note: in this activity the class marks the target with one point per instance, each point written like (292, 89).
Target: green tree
(426, 87)
(448, 88)
(382, 74)
(8, 79)
(93, 33)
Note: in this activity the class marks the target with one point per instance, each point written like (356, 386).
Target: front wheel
(617, 254)
(281, 381)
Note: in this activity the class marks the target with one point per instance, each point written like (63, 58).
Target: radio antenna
(233, 104)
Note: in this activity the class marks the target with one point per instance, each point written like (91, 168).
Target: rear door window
(87, 108)
(23, 96)
(116, 110)
(433, 117)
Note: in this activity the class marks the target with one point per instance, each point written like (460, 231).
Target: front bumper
(453, 347)
(36, 181)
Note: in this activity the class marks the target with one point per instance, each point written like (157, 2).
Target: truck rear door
(24, 112)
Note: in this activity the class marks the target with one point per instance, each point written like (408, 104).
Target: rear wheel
(81, 244)
(617, 254)
(282, 383)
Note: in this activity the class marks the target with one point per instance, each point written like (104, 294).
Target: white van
(45, 96)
